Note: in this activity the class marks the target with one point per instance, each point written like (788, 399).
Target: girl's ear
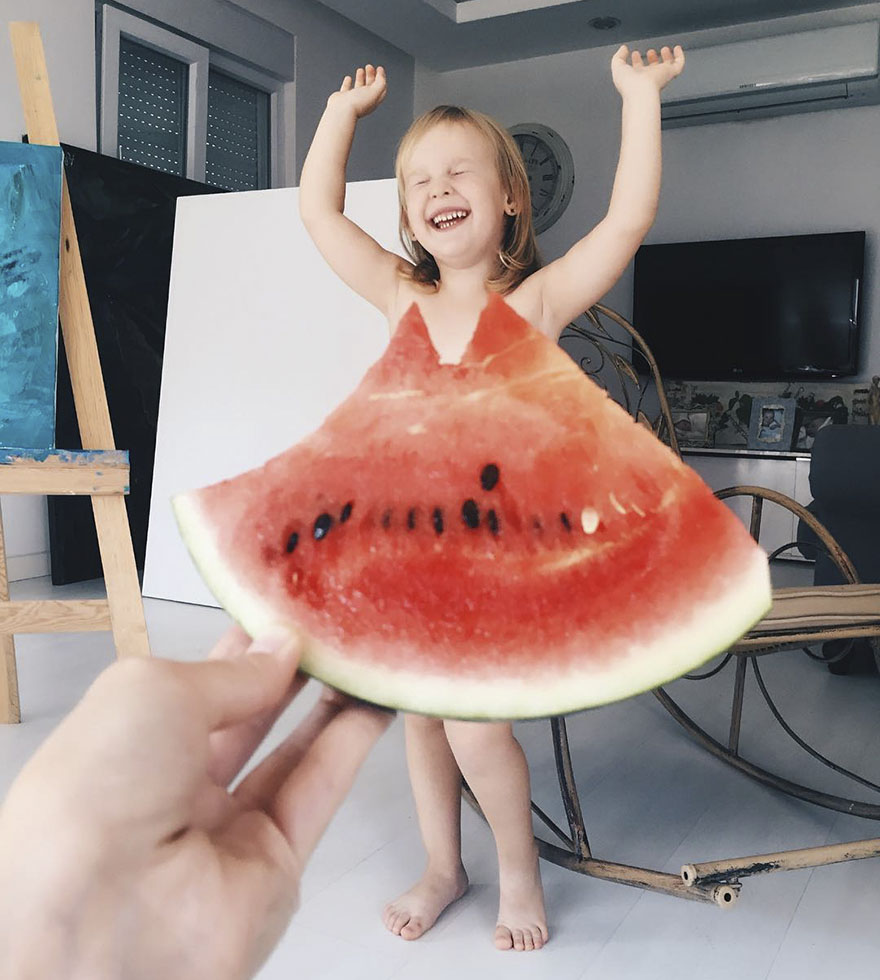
(509, 206)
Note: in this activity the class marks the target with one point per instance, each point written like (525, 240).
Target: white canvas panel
(263, 341)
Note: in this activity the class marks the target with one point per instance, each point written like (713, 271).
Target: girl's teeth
(448, 218)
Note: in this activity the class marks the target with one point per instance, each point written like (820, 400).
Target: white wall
(327, 47)
(792, 174)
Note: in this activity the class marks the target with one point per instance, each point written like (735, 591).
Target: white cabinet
(787, 473)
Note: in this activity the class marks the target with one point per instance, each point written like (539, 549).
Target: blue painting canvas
(30, 231)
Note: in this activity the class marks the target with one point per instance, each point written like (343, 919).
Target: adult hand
(630, 74)
(364, 92)
(124, 854)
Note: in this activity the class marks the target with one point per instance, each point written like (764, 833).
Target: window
(238, 145)
(152, 108)
(172, 104)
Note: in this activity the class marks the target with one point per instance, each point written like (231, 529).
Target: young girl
(465, 218)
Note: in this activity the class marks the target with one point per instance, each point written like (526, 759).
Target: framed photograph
(807, 424)
(691, 428)
(771, 424)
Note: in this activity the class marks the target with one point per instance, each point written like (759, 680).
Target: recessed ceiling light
(604, 23)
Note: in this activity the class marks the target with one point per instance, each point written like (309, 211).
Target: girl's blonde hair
(518, 256)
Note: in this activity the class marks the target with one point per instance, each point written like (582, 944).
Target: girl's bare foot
(417, 910)
(522, 922)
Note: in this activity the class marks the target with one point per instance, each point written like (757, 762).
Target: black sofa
(845, 484)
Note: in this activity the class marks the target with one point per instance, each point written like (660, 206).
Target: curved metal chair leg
(730, 752)
(568, 788)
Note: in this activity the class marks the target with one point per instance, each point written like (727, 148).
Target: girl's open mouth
(448, 219)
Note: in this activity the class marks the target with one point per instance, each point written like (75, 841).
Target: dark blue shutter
(152, 108)
(238, 134)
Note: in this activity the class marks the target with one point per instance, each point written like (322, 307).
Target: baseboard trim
(20, 567)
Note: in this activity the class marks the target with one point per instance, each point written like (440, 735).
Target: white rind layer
(680, 649)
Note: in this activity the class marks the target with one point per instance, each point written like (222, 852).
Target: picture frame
(691, 427)
(771, 424)
(808, 422)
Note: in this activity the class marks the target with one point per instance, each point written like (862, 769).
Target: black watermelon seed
(323, 523)
(489, 476)
(346, 512)
(492, 521)
(411, 518)
(437, 518)
(470, 513)
(292, 542)
(386, 519)
(565, 522)
(536, 524)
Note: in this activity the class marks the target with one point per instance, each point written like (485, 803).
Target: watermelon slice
(494, 538)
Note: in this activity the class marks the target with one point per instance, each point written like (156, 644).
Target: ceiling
(448, 34)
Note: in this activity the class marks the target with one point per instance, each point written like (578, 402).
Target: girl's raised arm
(354, 256)
(590, 268)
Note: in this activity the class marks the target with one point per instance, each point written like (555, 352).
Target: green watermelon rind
(714, 628)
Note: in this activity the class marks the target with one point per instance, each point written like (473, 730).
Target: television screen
(752, 309)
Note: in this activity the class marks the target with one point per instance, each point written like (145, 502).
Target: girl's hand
(365, 92)
(659, 71)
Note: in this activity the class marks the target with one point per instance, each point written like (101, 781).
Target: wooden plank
(87, 381)
(10, 709)
(54, 616)
(33, 79)
(61, 472)
(120, 577)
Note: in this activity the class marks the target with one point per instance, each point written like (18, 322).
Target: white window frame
(118, 24)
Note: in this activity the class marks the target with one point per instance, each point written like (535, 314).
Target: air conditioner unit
(823, 69)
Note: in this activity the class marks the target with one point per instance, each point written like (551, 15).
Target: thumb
(234, 690)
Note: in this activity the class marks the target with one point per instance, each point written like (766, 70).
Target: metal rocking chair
(799, 618)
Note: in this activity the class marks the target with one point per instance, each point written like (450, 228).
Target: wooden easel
(99, 470)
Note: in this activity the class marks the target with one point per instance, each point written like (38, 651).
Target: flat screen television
(752, 309)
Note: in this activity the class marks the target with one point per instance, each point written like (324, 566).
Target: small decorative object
(691, 428)
(860, 406)
(772, 424)
(874, 401)
(807, 424)
(550, 169)
(732, 429)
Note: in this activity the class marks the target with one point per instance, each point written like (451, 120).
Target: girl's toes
(503, 938)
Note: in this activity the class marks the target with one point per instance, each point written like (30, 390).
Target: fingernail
(276, 640)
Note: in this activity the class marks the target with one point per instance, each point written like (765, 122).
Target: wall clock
(550, 170)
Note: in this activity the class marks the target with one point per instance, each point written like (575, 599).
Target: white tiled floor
(651, 797)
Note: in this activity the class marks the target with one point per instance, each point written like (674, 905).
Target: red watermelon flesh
(494, 538)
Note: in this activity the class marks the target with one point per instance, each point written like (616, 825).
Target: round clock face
(550, 171)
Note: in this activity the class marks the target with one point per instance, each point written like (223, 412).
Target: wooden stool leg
(10, 709)
(120, 576)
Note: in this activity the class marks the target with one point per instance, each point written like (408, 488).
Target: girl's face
(455, 203)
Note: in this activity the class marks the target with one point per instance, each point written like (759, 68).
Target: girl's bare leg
(436, 785)
(495, 767)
